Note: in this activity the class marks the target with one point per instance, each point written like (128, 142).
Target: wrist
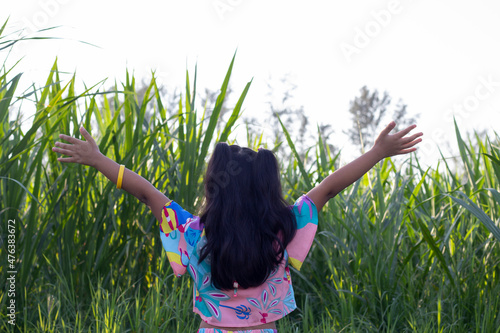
(378, 152)
(97, 160)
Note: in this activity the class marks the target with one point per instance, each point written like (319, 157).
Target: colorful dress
(183, 237)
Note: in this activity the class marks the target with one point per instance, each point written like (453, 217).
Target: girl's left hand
(396, 144)
(82, 152)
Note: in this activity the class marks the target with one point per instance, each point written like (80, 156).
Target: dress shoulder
(180, 231)
(306, 214)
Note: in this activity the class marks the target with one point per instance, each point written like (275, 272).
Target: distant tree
(368, 111)
(400, 116)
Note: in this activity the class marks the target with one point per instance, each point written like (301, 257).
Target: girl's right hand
(82, 152)
(396, 144)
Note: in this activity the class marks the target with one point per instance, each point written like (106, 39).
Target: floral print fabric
(183, 237)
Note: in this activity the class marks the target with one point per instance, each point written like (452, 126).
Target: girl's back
(238, 251)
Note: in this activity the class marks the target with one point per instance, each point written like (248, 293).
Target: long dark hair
(247, 221)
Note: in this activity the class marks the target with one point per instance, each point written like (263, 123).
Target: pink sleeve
(306, 215)
(179, 233)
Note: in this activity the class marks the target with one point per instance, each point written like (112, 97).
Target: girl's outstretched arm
(386, 145)
(87, 153)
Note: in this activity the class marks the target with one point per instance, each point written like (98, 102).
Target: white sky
(441, 58)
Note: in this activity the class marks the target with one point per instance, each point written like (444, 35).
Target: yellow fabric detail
(174, 257)
(295, 263)
(168, 221)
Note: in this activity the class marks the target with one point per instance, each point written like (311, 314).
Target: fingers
(86, 135)
(398, 143)
(73, 140)
(411, 144)
(64, 148)
(406, 151)
(407, 130)
(70, 139)
(388, 128)
(63, 145)
(66, 159)
(66, 152)
(78, 151)
(412, 138)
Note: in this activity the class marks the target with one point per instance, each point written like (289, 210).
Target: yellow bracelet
(120, 176)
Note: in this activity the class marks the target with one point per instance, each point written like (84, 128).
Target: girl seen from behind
(239, 250)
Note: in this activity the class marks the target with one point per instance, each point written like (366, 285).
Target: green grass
(405, 249)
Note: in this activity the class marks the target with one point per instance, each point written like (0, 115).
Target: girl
(239, 249)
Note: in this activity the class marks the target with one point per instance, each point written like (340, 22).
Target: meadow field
(404, 249)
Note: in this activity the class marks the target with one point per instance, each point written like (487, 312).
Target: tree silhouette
(368, 111)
